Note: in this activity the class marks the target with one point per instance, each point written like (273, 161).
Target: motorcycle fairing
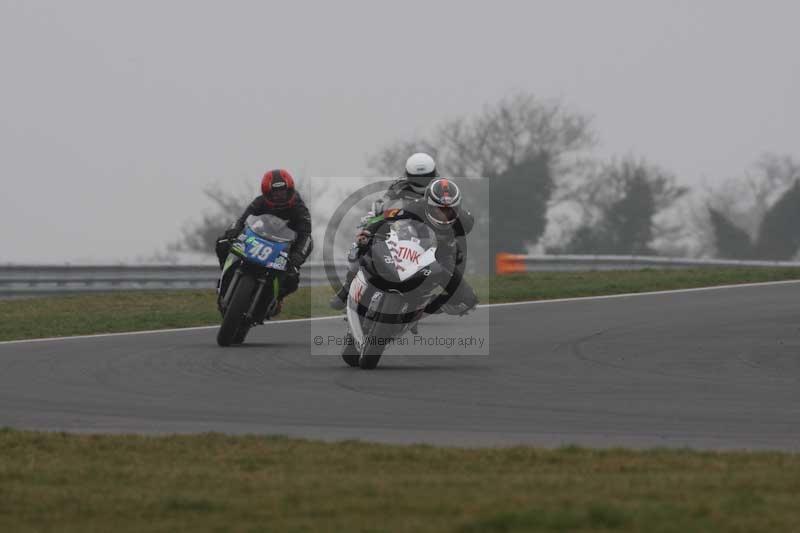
(265, 252)
(357, 289)
(407, 252)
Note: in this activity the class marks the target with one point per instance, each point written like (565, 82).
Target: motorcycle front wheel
(380, 332)
(233, 326)
(350, 354)
(241, 334)
(370, 356)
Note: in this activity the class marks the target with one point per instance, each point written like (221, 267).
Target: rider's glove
(362, 238)
(296, 259)
(231, 234)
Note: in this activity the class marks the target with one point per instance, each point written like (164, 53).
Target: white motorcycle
(398, 278)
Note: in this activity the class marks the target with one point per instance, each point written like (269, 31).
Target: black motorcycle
(251, 278)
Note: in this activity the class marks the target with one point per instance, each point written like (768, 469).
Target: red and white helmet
(277, 186)
(442, 201)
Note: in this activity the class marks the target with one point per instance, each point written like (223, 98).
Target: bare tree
(530, 145)
(391, 159)
(516, 129)
(200, 236)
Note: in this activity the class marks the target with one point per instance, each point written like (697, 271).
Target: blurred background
(133, 132)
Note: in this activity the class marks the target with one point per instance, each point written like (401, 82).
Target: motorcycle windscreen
(271, 228)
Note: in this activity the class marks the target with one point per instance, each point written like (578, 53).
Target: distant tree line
(542, 188)
(767, 206)
(535, 155)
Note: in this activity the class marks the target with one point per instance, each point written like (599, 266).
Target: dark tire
(234, 315)
(371, 355)
(350, 354)
(241, 335)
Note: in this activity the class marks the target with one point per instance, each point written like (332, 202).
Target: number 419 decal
(260, 251)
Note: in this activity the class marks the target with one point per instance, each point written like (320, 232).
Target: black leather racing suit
(299, 220)
(401, 189)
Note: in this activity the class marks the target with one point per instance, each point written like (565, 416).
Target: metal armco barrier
(24, 280)
(516, 263)
(21, 280)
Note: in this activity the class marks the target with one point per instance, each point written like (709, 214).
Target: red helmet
(277, 186)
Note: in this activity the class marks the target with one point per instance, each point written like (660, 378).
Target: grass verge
(211, 482)
(137, 311)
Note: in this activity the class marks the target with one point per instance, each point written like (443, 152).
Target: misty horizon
(115, 118)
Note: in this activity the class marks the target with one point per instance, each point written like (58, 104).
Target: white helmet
(420, 170)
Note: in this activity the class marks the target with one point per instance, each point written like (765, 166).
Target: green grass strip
(217, 483)
(145, 310)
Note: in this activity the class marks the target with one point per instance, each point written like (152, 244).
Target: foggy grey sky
(115, 115)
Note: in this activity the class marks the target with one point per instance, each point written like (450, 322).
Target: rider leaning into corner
(278, 198)
(440, 209)
(419, 172)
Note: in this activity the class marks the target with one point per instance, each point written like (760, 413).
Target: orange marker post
(509, 263)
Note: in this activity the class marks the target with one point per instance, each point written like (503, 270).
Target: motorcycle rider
(440, 209)
(420, 170)
(278, 198)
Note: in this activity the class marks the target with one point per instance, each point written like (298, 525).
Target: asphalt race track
(707, 368)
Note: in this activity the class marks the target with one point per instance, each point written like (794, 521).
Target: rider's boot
(339, 300)
(277, 309)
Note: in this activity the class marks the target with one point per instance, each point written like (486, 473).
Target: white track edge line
(505, 304)
(649, 293)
